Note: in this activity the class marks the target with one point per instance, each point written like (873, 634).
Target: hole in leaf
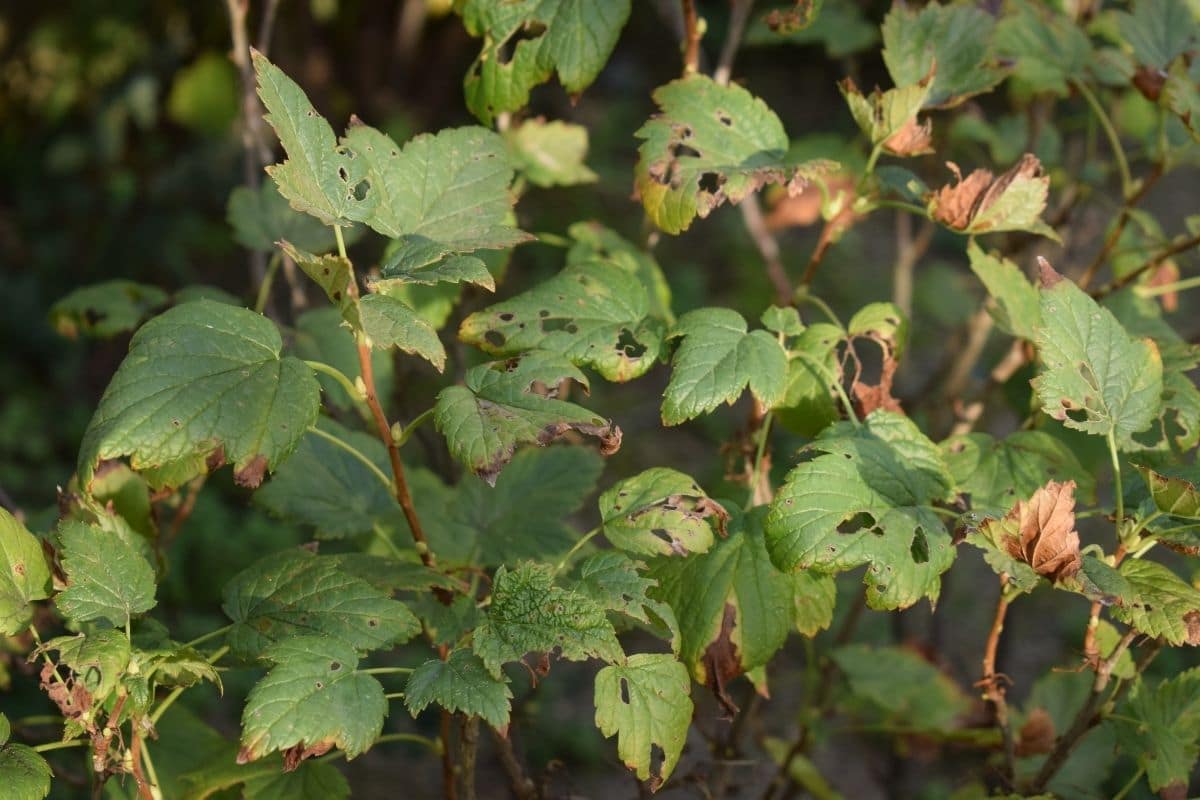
(711, 182)
(629, 345)
(345, 176)
(681, 150)
(334, 666)
(724, 119)
(361, 189)
(624, 691)
(857, 524)
(920, 547)
(506, 317)
(494, 338)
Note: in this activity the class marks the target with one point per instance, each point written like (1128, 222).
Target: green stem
(342, 378)
(903, 206)
(834, 383)
(341, 243)
(264, 291)
(208, 636)
(167, 701)
(419, 420)
(1167, 288)
(1141, 526)
(1143, 549)
(386, 671)
(151, 773)
(812, 299)
(870, 168)
(394, 696)
(382, 535)
(764, 433)
(1114, 141)
(587, 537)
(37, 720)
(42, 748)
(352, 450)
(1127, 788)
(1118, 489)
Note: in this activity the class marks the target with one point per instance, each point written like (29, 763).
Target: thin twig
(184, 512)
(1150, 263)
(523, 788)
(254, 155)
(691, 38)
(992, 683)
(449, 772)
(468, 749)
(739, 14)
(768, 248)
(266, 26)
(1123, 218)
(909, 250)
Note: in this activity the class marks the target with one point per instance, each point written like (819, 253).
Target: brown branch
(468, 748)
(978, 329)
(993, 684)
(739, 14)
(449, 773)
(908, 251)
(691, 38)
(1087, 718)
(145, 792)
(1114, 235)
(523, 788)
(768, 248)
(266, 26)
(1152, 262)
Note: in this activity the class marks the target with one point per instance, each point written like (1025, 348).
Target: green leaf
(1015, 305)
(592, 241)
(319, 177)
(389, 322)
(660, 512)
(902, 685)
(613, 580)
(881, 115)
(262, 217)
(26, 774)
(294, 593)
(205, 95)
(106, 577)
(313, 697)
(311, 781)
(461, 683)
(957, 38)
(498, 409)
(711, 144)
(1159, 31)
(717, 361)
(420, 260)
(264, 779)
(646, 703)
(782, 320)
(105, 309)
(321, 335)
(1095, 377)
(200, 379)
(325, 486)
(391, 574)
(530, 614)
(1048, 49)
(176, 665)
(998, 472)
(732, 603)
(24, 575)
(332, 273)
(1174, 490)
(527, 41)
(550, 153)
(1161, 726)
(864, 496)
(99, 659)
(451, 187)
(808, 404)
(593, 313)
(991, 536)
(1158, 603)
(883, 322)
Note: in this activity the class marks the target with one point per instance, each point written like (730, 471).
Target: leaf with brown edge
(914, 138)
(889, 119)
(983, 203)
(661, 512)
(1041, 531)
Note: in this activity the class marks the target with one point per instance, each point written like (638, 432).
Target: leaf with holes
(1160, 725)
(735, 609)
(865, 496)
(530, 614)
(106, 577)
(498, 409)
(550, 153)
(105, 309)
(660, 512)
(592, 241)
(710, 144)
(614, 581)
(26, 774)
(646, 703)
(995, 472)
(717, 361)
(319, 177)
(1158, 603)
(593, 313)
(24, 575)
(461, 683)
(1095, 377)
(525, 42)
(1015, 306)
(293, 593)
(314, 698)
(953, 40)
(200, 380)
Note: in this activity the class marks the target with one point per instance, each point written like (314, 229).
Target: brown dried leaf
(1165, 273)
(1037, 735)
(872, 396)
(294, 756)
(961, 205)
(1047, 539)
(954, 204)
(722, 663)
(914, 139)
(251, 475)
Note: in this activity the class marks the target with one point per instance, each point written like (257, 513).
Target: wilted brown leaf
(964, 205)
(1037, 735)
(953, 203)
(1166, 273)
(914, 139)
(1046, 537)
(722, 663)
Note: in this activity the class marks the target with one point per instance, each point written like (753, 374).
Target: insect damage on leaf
(1041, 531)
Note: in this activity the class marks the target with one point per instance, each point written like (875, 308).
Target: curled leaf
(1045, 537)
(982, 203)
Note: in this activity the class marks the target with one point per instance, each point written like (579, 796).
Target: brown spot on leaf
(1037, 735)
(1192, 620)
(722, 663)
(1174, 791)
(1048, 276)
(1046, 538)
(294, 756)
(1150, 81)
(215, 460)
(251, 475)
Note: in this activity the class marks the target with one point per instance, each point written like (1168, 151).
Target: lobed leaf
(460, 683)
(954, 40)
(1015, 304)
(660, 512)
(26, 774)
(995, 472)
(1158, 603)
(107, 578)
(1160, 725)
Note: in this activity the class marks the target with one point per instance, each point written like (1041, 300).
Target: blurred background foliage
(120, 143)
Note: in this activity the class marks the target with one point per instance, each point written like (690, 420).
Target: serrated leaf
(646, 703)
(98, 659)
(1095, 377)
(1048, 50)
(389, 322)
(735, 609)
(332, 273)
(484, 421)
(527, 41)
(530, 614)
(24, 575)
(1159, 31)
(1020, 575)
(718, 360)
(105, 309)
(391, 574)
(1041, 532)
(421, 260)
(26, 774)
(294, 593)
(883, 322)
(325, 486)
(550, 153)
(1174, 490)
(890, 118)
(865, 497)
(592, 241)
(261, 217)
(808, 404)
(957, 38)
(202, 378)
(450, 187)
(313, 698)
(995, 472)
(1015, 306)
(708, 145)
(1161, 726)
(106, 577)
(319, 177)
(460, 683)
(613, 580)
(593, 313)
(1158, 603)
(177, 665)
(902, 685)
(660, 512)
(782, 320)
